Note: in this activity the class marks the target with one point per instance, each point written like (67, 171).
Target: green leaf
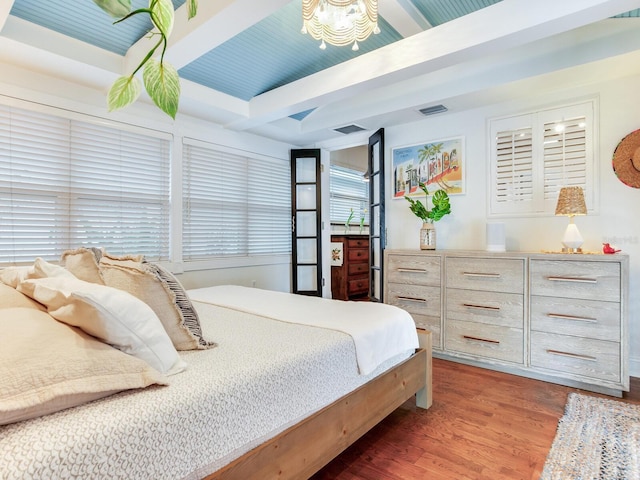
(123, 92)
(162, 15)
(163, 85)
(192, 6)
(115, 8)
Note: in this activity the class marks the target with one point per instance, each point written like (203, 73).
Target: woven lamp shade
(571, 202)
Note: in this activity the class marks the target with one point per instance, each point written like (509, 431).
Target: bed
(273, 398)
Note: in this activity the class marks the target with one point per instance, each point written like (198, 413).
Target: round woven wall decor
(626, 160)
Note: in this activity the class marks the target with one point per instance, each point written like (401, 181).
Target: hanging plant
(160, 78)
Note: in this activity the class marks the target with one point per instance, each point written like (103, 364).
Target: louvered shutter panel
(65, 183)
(512, 169)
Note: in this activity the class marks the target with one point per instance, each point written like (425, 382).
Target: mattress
(264, 376)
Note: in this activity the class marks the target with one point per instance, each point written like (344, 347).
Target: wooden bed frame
(303, 449)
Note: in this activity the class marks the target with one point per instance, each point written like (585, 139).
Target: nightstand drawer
(488, 274)
(584, 357)
(580, 318)
(575, 279)
(506, 309)
(413, 270)
(489, 341)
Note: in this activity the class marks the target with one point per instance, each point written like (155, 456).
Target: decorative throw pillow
(109, 314)
(159, 289)
(11, 298)
(47, 366)
(83, 263)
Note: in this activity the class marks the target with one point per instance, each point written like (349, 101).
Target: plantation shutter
(233, 204)
(512, 165)
(65, 183)
(534, 155)
(348, 191)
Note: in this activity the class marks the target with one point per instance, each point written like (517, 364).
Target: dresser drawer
(413, 269)
(361, 268)
(575, 279)
(358, 242)
(423, 303)
(489, 341)
(359, 285)
(488, 274)
(506, 309)
(358, 254)
(584, 357)
(581, 318)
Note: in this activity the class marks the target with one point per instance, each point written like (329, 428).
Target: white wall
(619, 205)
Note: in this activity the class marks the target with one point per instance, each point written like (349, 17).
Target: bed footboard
(306, 447)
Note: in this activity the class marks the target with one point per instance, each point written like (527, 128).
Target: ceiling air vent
(349, 129)
(433, 110)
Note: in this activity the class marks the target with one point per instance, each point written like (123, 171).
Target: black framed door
(306, 222)
(377, 230)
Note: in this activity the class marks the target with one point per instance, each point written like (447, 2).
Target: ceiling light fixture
(340, 22)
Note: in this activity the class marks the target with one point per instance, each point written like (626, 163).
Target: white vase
(428, 236)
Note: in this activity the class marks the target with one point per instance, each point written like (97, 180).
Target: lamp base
(571, 250)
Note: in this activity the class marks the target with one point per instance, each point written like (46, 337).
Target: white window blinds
(534, 155)
(234, 203)
(348, 191)
(66, 183)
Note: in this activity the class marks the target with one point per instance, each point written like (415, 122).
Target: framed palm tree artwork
(438, 164)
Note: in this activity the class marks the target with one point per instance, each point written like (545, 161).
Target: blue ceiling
(267, 55)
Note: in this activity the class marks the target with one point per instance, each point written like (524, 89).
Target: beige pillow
(11, 298)
(109, 314)
(159, 289)
(83, 263)
(47, 366)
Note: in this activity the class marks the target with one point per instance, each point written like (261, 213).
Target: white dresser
(555, 317)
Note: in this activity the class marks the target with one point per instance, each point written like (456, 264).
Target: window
(66, 183)
(348, 190)
(534, 155)
(234, 203)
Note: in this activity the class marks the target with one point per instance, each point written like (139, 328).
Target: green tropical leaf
(163, 85)
(192, 6)
(162, 15)
(123, 92)
(115, 8)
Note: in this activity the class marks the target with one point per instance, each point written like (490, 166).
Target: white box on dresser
(554, 317)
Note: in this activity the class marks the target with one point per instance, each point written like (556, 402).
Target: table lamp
(570, 203)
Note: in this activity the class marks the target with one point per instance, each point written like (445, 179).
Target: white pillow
(114, 316)
(13, 276)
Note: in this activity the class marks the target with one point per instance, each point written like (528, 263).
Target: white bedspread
(379, 331)
(263, 376)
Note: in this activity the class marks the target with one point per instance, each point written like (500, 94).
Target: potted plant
(441, 207)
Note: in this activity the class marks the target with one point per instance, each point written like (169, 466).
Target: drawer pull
(412, 299)
(572, 317)
(572, 355)
(478, 339)
(481, 307)
(412, 270)
(573, 279)
(483, 275)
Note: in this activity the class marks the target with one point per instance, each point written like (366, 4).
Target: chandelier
(340, 22)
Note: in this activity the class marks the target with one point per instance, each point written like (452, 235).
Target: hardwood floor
(483, 425)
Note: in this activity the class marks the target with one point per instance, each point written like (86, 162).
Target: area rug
(597, 438)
